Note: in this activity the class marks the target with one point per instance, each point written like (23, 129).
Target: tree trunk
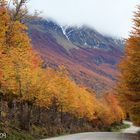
(0, 108)
(29, 116)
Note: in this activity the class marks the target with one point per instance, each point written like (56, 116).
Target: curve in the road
(131, 129)
(98, 136)
(125, 134)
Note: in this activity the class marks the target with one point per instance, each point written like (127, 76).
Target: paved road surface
(98, 136)
(125, 134)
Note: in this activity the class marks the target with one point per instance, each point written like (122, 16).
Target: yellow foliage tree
(129, 82)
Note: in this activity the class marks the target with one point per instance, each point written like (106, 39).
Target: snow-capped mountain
(89, 56)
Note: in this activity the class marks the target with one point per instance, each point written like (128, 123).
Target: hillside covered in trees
(90, 57)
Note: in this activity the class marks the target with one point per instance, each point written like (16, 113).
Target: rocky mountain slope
(89, 56)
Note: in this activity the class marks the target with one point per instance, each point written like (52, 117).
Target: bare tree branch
(20, 9)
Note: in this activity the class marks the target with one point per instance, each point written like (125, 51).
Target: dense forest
(46, 102)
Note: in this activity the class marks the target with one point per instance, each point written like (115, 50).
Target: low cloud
(112, 17)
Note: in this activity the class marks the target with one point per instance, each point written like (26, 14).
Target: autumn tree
(70, 97)
(129, 81)
(3, 28)
(109, 110)
(19, 64)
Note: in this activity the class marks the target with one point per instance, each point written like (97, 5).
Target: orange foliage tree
(129, 81)
(109, 109)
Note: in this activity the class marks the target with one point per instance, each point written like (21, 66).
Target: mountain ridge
(89, 56)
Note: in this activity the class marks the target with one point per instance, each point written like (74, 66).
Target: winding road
(132, 129)
(125, 134)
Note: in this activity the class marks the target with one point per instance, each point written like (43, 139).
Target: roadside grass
(118, 127)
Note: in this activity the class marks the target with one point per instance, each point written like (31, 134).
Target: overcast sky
(112, 17)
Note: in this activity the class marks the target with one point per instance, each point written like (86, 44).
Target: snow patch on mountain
(64, 31)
